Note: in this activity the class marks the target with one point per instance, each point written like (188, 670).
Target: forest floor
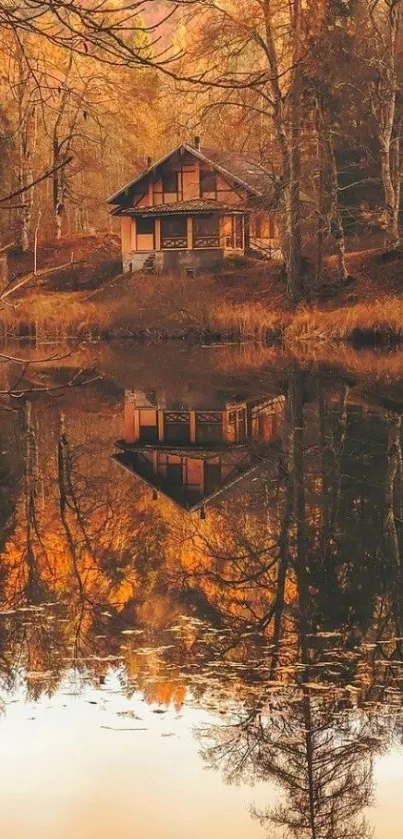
(85, 295)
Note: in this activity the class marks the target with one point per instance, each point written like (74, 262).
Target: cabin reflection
(192, 454)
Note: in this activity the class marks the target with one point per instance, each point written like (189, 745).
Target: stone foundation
(175, 262)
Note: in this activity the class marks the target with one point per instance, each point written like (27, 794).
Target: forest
(310, 89)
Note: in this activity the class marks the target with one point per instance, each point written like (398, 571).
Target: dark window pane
(206, 232)
(148, 434)
(177, 432)
(212, 477)
(174, 474)
(170, 182)
(209, 433)
(174, 232)
(174, 226)
(206, 226)
(208, 180)
(145, 226)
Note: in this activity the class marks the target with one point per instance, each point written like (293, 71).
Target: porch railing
(206, 242)
(173, 243)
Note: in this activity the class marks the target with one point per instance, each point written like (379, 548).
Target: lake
(201, 593)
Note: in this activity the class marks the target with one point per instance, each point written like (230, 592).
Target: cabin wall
(126, 234)
(226, 194)
(191, 182)
(188, 187)
(143, 201)
(144, 242)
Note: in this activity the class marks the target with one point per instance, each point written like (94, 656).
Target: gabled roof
(181, 496)
(247, 174)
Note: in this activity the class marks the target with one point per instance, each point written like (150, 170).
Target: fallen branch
(33, 276)
(43, 177)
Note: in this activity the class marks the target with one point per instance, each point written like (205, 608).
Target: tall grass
(382, 318)
(170, 307)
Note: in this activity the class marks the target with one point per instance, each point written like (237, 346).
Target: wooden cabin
(193, 208)
(192, 456)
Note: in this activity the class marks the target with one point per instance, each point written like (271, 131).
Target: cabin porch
(181, 242)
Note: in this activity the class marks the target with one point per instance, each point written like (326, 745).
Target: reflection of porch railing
(206, 242)
(209, 417)
(173, 243)
(176, 416)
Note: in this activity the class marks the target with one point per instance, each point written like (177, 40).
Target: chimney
(149, 162)
(197, 143)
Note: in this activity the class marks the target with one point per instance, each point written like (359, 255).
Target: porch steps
(149, 266)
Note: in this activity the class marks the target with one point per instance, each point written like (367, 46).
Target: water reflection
(280, 611)
(194, 449)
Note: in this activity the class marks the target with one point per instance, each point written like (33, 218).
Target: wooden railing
(176, 416)
(173, 243)
(206, 242)
(209, 417)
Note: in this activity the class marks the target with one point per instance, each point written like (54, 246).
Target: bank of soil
(246, 301)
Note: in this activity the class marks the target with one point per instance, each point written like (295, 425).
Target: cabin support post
(157, 234)
(192, 426)
(190, 231)
(133, 234)
(155, 462)
(160, 423)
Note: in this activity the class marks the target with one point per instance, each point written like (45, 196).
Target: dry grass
(380, 318)
(243, 303)
(248, 321)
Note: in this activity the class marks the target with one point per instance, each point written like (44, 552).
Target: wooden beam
(189, 221)
(157, 234)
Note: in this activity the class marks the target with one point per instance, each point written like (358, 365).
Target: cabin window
(145, 226)
(170, 183)
(208, 181)
(258, 226)
(174, 232)
(145, 234)
(206, 232)
(238, 232)
(234, 232)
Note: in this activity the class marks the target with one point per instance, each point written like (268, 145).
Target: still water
(201, 600)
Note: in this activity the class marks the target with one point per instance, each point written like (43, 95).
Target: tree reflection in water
(282, 609)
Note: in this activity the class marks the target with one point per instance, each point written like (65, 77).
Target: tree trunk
(392, 237)
(294, 266)
(287, 128)
(58, 191)
(388, 131)
(329, 210)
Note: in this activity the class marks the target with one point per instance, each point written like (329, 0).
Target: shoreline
(246, 303)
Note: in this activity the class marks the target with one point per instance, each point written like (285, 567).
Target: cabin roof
(181, 496)
(196, 205)
(249, 174)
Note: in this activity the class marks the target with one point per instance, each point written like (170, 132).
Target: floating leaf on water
(112, 728)
(131, 714)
